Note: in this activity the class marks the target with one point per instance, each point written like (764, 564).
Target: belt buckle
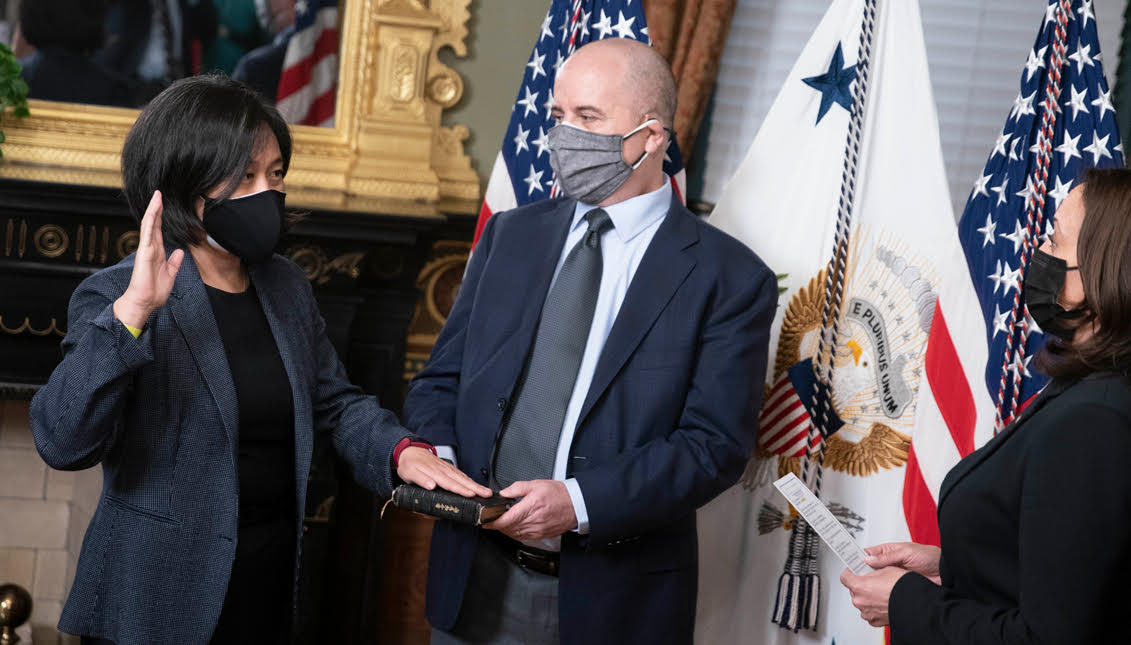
(536, 562)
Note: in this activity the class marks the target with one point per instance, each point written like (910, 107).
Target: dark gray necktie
(529, 442)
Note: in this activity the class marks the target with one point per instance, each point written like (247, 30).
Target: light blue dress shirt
(635, 222)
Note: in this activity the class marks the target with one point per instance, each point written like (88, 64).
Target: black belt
(527, 557)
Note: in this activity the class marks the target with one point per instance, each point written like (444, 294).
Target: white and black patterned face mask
(590, 166)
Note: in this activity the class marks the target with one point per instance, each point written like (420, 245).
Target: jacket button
(483, 471)
(502, 404)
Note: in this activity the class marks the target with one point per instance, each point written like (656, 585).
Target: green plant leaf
(13, 88)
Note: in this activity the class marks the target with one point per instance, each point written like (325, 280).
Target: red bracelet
(407, 442)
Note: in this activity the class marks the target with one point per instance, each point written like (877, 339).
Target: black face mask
(1043, 284)
(248, 227)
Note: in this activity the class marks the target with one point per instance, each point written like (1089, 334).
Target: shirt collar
(633, 215)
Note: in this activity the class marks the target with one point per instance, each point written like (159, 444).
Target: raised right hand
(920, 558)
(153, 273)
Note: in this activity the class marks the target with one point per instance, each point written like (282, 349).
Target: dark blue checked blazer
(667, 424)
(159, 412)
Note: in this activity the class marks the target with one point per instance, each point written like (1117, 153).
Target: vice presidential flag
(843, 191)
(522, 172)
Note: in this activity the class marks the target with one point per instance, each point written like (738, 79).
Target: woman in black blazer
(1036, 525)
(197, 372)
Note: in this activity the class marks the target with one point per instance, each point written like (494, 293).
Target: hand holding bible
(545, 511)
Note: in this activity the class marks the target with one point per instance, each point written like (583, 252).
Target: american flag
(1064, 107)
(309, 82)
(522, 172)
(787, 413)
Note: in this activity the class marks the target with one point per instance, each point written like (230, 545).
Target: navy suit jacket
(159, 412)
(668, 422)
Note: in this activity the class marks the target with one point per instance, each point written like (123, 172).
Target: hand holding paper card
(830, 530)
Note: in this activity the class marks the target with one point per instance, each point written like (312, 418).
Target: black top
(260, 591)
(1035, 528)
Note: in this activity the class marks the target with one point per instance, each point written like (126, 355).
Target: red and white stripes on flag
(309, 82)
(784, 423)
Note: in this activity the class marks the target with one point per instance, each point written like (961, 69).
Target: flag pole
(1034, 210)
(799, 587)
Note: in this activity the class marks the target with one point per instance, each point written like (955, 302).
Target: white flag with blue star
(847, 157)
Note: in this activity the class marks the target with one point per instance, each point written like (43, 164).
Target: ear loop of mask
(1066, 269)
(634, 131)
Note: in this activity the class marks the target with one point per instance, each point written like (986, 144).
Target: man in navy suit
(604, 362)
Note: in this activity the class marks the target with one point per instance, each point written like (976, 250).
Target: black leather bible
(450, 506)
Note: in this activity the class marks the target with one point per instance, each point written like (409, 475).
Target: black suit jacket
(667, 424)
(1036, 530)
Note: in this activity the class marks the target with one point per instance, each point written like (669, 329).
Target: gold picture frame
(388, 152)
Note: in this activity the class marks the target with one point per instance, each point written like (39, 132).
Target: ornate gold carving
(8, 238)
(52, 328)
(322, 513)
(457, 192)
(406, 8)
(319, 270)
(23, 238)
(311, 260)
(51, 241)
(445, 89)
(92, 241)
(402, 88)
(381, 154)
(127, 243)
(454, 15)
(345, 264)
(103, 252)
(78, 243)
(439, 282)
(459, 189)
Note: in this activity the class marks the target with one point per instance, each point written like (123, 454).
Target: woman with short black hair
(1036, 524)
(193, 138)
(197, 372)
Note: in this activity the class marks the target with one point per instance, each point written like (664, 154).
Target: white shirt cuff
(447, 453)
(578, 506)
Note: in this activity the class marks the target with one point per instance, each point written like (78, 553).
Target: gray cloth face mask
(590, 166)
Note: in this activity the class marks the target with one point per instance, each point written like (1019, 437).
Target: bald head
(643, 76)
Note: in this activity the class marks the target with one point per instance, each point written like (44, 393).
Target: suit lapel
(965, 466)
(662, 270)
(192, 312)
(283, 330)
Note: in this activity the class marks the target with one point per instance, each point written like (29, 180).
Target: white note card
(830, 530)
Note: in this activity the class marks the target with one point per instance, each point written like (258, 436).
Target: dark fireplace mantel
(54, 235)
